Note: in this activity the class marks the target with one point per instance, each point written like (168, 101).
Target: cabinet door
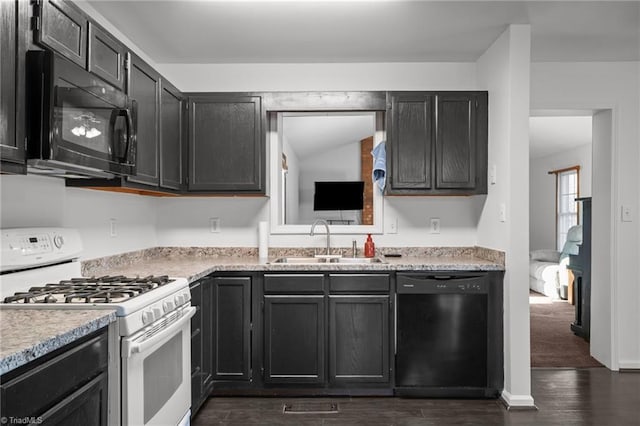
(86, 406)
(13, 28)
(196, 346)
(226, 144)
(144, 88)
(231, 328)
(410, 132)
(456, 141)
(63, 28)
(106, 56)
(294, 336)
(171, 136)
(359, 338)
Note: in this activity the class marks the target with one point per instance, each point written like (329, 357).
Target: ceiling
(188, 31)
(552, 134)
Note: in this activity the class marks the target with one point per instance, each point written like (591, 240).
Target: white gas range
(151, 344)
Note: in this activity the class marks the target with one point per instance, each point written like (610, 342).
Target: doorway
(561, 164)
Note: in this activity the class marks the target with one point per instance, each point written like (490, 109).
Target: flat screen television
(338, 195)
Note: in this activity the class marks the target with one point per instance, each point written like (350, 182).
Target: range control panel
(24, 248)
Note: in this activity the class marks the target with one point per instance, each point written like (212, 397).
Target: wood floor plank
(564, 397)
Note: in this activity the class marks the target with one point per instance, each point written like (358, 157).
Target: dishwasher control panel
(410, 283)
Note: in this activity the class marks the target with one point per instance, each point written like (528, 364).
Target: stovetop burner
(106, 289)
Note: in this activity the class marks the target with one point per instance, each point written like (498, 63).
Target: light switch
(391, 226)
(502, 215)
(493, 175)
(434, 225)
(113, 232)
(626, 214)
(214, 224)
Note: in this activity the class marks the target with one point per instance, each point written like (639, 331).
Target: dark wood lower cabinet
(201, 343)
(66, 387)
(231, 328)
(294, 335)
(359, 338)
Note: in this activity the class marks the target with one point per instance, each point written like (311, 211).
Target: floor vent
(310, 408)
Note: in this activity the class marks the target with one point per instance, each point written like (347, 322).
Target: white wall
(542, 185)
(504, 70)
(44, 201)
(613, 86)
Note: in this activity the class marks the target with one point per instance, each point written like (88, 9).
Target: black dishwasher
(444, 335)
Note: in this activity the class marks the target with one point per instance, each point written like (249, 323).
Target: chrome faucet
(326, 225)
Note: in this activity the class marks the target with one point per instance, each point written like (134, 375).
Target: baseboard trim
(629, 365)
(517, 402)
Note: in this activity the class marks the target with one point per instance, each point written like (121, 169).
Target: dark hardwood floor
(564, 397)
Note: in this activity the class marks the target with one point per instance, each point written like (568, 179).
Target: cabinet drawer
(294, 283)
(31, 393)
(360, 283)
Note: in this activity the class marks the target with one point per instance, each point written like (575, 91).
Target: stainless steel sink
(333, 260)
(360, 260)
(301, 260)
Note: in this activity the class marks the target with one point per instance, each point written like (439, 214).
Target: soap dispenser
(369, 247)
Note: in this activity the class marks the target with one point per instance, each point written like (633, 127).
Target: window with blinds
(568, 189)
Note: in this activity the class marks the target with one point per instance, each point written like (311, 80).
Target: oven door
(156, 372)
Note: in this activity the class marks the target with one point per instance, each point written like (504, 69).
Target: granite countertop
(194, 265)
(26, 334)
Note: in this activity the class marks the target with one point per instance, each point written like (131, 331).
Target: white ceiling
(314, 132)
(188, 31)
(552, 134)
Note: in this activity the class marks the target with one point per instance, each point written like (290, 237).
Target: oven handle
(130, 347)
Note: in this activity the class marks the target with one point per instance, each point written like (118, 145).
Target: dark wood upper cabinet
(226, 143)
(106, 56)
(13, 31)
(438, 143)
(410, 130)
(144, 88)
(172, 135)
(62, 27)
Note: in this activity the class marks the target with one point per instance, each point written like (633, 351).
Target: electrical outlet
(434, 223)
(113, 232)
(214, 224)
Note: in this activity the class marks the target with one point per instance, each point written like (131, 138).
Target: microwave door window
(88, 129)
(83, 121)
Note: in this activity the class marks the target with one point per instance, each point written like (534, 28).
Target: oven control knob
(179, 300)
(147, 317)
(157, 313)
(168, 306)
(58, 241)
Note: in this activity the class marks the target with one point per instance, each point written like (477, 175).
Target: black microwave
(77, 124)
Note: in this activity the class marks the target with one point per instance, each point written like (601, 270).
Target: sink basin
(316, 260)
